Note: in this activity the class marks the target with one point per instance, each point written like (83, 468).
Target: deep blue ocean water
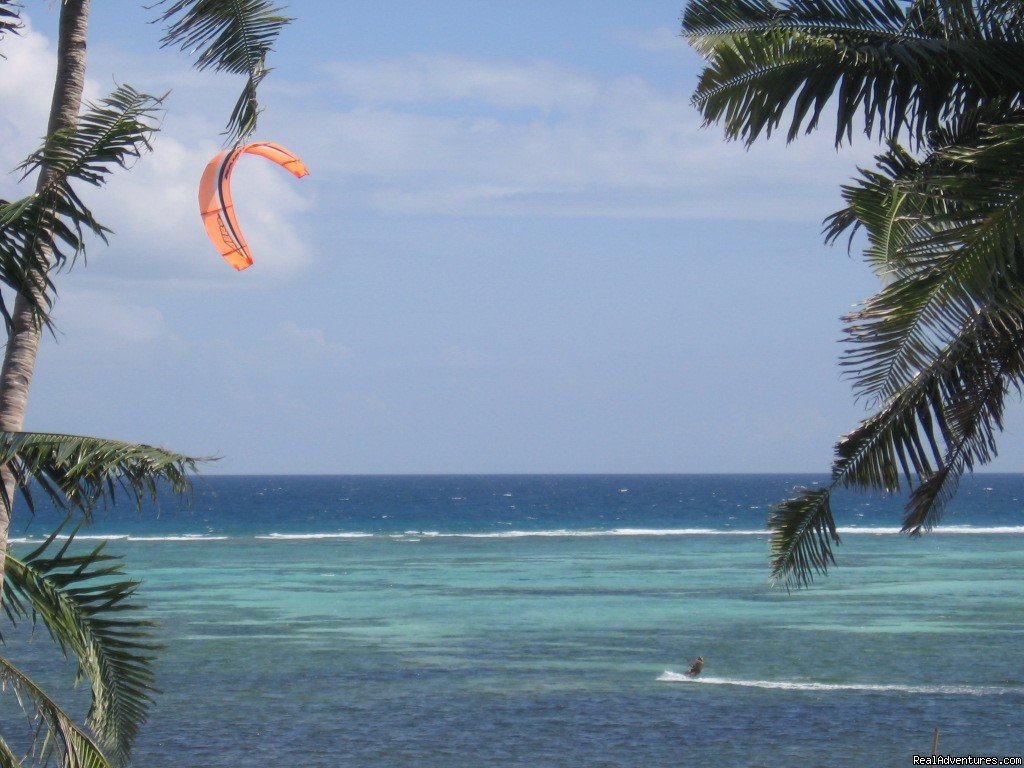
(543, 621)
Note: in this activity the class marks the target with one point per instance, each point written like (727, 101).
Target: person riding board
(696, 667)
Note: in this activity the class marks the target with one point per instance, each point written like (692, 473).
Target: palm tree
(80, 598)
(937, 350)
(225, 35)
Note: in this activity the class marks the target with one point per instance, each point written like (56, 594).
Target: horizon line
(722, 473)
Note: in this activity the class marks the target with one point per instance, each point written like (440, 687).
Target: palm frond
(10, 18)
(947, 403)
(959, 226)
(938, 348)
(888, 214)
(802, 528)
(76, 472)
(87, 606)
(7, 757)
(940, 424)
(803, 531)
(905, 68)
(49, 225)
(228, 36)
(74, 747)
(973, 419)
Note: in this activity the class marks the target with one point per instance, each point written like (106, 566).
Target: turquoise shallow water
(395, 648)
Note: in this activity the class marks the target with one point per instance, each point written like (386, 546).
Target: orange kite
(215, 202)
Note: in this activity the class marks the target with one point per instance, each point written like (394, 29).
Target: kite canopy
(215, 203)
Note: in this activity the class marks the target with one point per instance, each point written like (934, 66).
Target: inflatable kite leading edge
(215, 202)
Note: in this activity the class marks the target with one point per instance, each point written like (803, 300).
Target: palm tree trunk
(23, 341)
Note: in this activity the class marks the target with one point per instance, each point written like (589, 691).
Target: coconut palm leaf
(82, 599)
(803, 531)
(61, 737)
(942, 423)
(77, 472)
(973, 421)
(49, 225)
(959, 230)
(905, 67)
(7, 757)
(888, 214)
(887, 204)
(10, 19)
(938, 348)
(950, 411)
(940, 344)
(228, 36)
(87, 606)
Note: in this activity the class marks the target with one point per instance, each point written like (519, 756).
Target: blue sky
(517, 252)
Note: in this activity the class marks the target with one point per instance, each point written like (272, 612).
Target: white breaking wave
(969, 690)
(299, 536)
(552, 533)
(973, 529)
(565, 532)
(962, 529)
(947, 529)
(124, 537)
(181, 537)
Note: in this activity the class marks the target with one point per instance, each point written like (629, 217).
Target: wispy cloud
(292, 340)
(458, 136)
(96, 323)
(423, 79)
(158, 231)
(153, 208)
(661, 40)
(29, 57)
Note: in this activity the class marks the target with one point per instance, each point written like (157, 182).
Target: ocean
(546, 620)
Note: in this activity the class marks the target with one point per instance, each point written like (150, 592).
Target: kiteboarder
(696, 667)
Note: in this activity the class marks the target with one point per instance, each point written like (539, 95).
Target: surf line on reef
(669, 676)
(413, 535)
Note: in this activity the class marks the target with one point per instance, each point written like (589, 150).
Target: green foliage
(60, 738)
(10, 20)
(228, 36)
(86, 604)
(937, 350)
(806, 532)
(50, 224)
(82, 598)
(7, 757)
(77, 472)
(907, 68)
(946, 234)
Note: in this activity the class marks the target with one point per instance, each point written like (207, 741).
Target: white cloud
(547, 141)
(662, 40)
(96, 323)
(308, 342)
(152, 208)
(424, 135)
(30, 58)
(426, 79)
(158, 230)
